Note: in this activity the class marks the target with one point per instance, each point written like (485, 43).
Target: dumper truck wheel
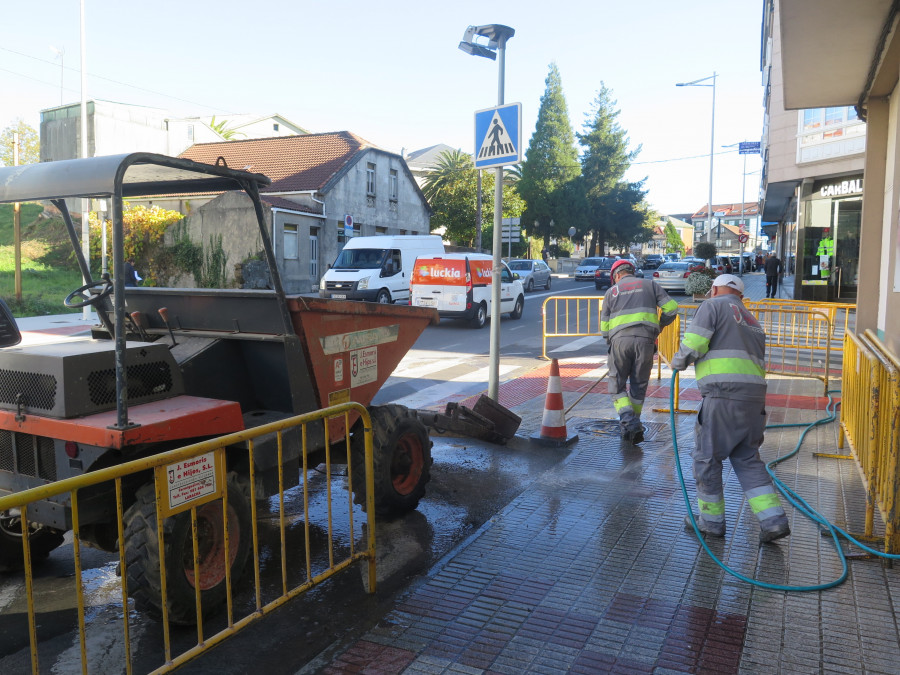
(142, 552)
(41, 539)
(401, 460)
(480, 317)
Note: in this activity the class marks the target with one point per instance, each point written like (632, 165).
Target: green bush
(705, 250)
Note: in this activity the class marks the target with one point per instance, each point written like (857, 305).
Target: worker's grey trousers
(630, 362)
(733, 429)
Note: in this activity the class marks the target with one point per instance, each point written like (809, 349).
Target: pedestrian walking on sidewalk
(630, 323)
(728, 346)
(773, 270)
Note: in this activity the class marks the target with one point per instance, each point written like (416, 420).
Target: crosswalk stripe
(464, 384)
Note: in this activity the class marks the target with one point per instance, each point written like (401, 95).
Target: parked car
(585, 271)
(722, 264)
(532, 273)
(672, 276)
(601, 275)
(652, 261)
(672, 257)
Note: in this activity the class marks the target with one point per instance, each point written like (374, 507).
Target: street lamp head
(497, 35)
(477, 50)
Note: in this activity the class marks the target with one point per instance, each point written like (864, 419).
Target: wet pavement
(590, 570)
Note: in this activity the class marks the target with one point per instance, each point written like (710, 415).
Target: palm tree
(451, 166)
(222, 129)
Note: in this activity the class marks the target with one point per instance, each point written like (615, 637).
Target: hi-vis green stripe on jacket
(629, 308)
(728, 347)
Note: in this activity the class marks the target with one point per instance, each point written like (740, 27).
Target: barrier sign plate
(191, 482)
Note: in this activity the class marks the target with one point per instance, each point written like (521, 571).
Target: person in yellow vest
(825, 253)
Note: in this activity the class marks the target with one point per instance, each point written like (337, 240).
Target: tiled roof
(731, 210)
(294, 163)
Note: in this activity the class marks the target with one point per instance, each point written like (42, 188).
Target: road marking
(575, 345)
(464, 384)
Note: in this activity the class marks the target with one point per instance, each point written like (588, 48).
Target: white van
(458, 285)
(377, 269)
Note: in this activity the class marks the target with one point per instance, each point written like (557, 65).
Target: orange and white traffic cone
(553, 422)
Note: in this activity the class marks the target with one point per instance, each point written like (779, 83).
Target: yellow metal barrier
(570, 316)
(798, 342)
(870, 405)
(212, 454)
(842, 315)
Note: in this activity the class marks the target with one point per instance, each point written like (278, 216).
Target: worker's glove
(678, 362)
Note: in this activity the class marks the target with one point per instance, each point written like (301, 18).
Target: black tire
(42, 540)
(518, 308)
(530, 286)
(383, 297)
(549, 279)
(401, 460)
(142, 552)
(480, 317)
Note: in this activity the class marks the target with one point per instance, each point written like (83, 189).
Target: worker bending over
(630, 323)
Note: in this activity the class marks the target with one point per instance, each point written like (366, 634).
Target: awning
(777, 199)
(827, 50)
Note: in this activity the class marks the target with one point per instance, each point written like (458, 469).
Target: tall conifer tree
(551, 163)
(604, 161)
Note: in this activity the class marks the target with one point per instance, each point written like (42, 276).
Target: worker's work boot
(766, 536)
(706, 527)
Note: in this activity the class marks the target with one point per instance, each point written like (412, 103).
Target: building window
(370, 179)
(274, 126)
(380, 230)
(394, 183)
(718, 243)
(190, 132)
(290, 242)
(728, 243)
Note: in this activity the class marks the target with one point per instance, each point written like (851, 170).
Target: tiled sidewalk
(591, 571)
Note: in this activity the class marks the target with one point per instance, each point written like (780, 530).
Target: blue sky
(392, 73)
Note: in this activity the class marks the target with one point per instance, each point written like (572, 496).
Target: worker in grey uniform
(728, 346)
(630, 323)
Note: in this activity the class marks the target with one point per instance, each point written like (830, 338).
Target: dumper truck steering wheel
(91, 299)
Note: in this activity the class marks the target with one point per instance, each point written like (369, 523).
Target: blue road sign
(748, 148)
(498, 136)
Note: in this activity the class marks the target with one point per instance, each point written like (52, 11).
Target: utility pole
(17, 227)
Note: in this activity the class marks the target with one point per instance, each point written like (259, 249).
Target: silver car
(532, 273)
(585, 271)
(672, 276)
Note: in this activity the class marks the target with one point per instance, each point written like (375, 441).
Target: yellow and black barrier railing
(870, 424)
(210, 510)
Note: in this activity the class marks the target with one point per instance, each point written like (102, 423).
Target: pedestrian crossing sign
(498, 136)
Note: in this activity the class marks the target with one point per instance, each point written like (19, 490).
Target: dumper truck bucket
(353, 347)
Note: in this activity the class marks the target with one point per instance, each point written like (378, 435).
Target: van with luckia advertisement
(458, 285)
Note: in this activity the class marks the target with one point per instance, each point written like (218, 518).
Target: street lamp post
(497, 36)
(712, 141)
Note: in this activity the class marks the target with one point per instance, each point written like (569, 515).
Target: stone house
(325, 189)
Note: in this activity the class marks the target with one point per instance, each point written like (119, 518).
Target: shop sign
(842, 188)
